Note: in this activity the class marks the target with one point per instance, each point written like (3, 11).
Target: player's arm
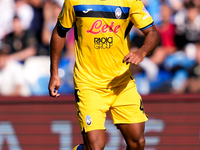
(56, 46)
(150, 43)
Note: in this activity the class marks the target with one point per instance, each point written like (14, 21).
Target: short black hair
(189, 5)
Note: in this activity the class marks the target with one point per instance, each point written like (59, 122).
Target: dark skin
(132, 133)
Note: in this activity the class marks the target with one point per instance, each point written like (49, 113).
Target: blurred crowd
(25, 32)
(174, 66)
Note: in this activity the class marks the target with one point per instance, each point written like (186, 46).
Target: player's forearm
(56, 47)
(151, 41)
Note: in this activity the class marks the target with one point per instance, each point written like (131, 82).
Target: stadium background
(31, 120)
(43, 123)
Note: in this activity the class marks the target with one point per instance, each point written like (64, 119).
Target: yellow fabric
(124, 104)
(75, 147)
(101, 44)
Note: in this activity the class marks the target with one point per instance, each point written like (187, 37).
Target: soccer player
(102, 77)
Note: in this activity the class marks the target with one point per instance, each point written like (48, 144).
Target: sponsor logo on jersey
(88, 120)
(98, 27)
(118, 13)
(103, 42)
(87, 11)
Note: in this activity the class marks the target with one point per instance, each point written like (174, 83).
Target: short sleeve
(139, 16)
(66, 17)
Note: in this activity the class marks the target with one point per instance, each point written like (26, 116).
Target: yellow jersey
(102, 39)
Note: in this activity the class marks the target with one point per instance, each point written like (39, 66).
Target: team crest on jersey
(88, 120)
(118, 13)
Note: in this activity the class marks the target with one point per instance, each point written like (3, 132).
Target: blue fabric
(80, 147)
(103, 8)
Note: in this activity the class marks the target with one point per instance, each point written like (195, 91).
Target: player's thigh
(128, 107)
(94, 139)
(132, 132)
(91, 110)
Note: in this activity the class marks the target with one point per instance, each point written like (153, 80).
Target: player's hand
(134, 57)
(54, 85)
